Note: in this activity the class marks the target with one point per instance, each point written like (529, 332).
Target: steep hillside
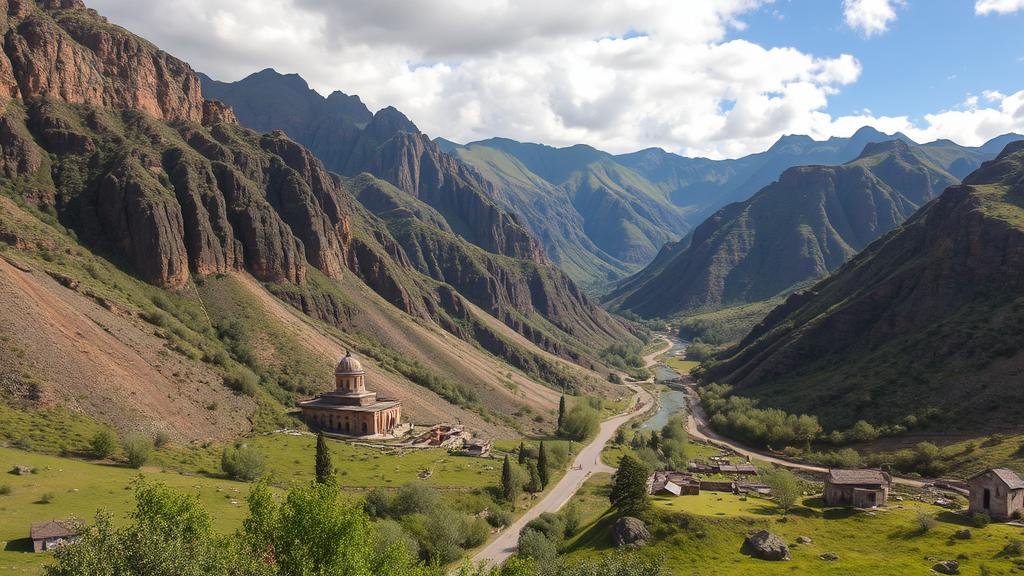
(925, 322)
(452, 230)
(797, 229)
(129, 190)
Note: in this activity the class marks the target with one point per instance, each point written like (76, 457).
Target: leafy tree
(414, 498)
(861, 431)
(533, 485)
(137, 449)
(542, 467)
(655, 441)
(324, 467)
(378, 503)
(629, 489)
(561, 411)
(242, 462)
(508, 487)
(103, 444)
(534, 544)
(580, 422)
(785, 488)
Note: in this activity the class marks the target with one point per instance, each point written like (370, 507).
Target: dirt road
(587, 462)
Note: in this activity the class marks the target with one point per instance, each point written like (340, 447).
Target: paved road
(587, 462)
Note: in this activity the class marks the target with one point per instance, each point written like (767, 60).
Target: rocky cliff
(795, 230)
(923, 323)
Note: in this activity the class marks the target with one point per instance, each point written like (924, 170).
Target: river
(671, 401)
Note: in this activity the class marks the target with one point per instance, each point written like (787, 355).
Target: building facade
(997, 492)
(351, 409)
(857, 488)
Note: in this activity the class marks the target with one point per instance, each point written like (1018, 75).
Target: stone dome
(349, 365)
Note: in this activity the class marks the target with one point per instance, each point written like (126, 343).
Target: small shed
(672, 483)
(53, 534)
(997, 492)
(742, 469)
(857, 488)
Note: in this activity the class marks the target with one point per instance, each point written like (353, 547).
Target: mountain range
(923, 326)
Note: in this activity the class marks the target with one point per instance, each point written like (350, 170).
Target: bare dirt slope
(108, 366)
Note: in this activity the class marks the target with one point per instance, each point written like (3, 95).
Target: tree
(242, 462)
(629, 488)
(508, 486)
(581, 422)
(522, 454)
(103, 444)
(137, 449)
(861, 431)
(533, 486)
(806, 430)
(785, 488)
(561, 412)
(324, 468)
(542, 467)
(654, 441)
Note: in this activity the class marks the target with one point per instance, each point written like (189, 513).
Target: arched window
(365, 429)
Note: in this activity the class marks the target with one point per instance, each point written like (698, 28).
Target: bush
(925, 522)
(980, 520)
(5, 489)
(499, 518)
(414, 498)
(476, 532)
(137, 449)
(580, 422)
(242, 380)
(161, 439)
(1013, 548)
(614, 378)
(378, 503)
(46, 498)
(103, 444)
(242, 462)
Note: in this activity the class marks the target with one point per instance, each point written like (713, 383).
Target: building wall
(1003, 503)
(843, 495)
(353, 423)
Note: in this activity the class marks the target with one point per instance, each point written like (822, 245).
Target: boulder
(803, 540)
(829, 556)
(629, 531)
(964, 534)
(947, 567)
(766, 546)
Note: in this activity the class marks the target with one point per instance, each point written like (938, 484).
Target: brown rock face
(215, 112)
(59, 49)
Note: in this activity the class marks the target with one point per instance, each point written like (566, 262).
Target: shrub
(137, 449)
(103, 444)
(925, 522)
(785, 488)
(5, 489)
(475, 533)
(580, 422)
(242, 380)
(242, 462)
(46, 498)
(499, 518)
(414, 498)
(980, 519)
(161, 439)
(378, 503)
(1013, 548)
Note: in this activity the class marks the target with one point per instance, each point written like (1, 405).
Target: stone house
(857, 488)
(53, 534)
(997, 492)
(350, 409)
(671, 483)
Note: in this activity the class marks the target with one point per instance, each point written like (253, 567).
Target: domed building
(350, 408)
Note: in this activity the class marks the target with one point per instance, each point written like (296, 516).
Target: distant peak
(868, 132)
(390, 120)
(1011, 148)
(875, 148)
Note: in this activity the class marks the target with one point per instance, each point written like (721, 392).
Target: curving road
(587, 462)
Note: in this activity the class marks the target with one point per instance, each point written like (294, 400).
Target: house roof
(837, 476)
(1009, 477)
(52, 529)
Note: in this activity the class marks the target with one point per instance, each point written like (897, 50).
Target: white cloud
(870, 17)
(620, 75)
(997, 6)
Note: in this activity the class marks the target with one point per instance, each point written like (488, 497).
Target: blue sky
(716, 78)
(931, 57)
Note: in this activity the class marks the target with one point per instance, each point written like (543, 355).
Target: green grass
(79, 489)
(725, 325)
(680, 365)
(702, 535)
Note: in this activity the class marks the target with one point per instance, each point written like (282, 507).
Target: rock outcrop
(629, 531)
(766, 546)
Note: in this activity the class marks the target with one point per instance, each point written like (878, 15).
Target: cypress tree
(534, 485)
(629, 488)
(324, 468)
(522, 454)
(542, 467)
(508, 489)
(561, 412)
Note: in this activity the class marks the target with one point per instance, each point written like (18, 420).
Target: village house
(997, 492)
(350, 409)
(857, 488)
(671, 483)
(53, 534)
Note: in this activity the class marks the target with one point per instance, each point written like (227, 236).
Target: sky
(715, 78)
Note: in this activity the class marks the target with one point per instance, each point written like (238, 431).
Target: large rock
(766, 546)
(947, 567)
(629, 531)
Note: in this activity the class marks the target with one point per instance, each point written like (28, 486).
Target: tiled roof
(837, 476)
(1009, 477)
(52, 529)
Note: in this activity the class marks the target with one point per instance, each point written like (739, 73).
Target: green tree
(242, 462)
(785, 488)
(561, 412)
(533, 485)
(542, 467)
(137, 449)
(629, 488)
(522, 454)
(103, 444)
(508, 487)
(324, 467)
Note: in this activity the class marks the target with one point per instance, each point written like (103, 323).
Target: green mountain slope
(925, 322)
(797, 229)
